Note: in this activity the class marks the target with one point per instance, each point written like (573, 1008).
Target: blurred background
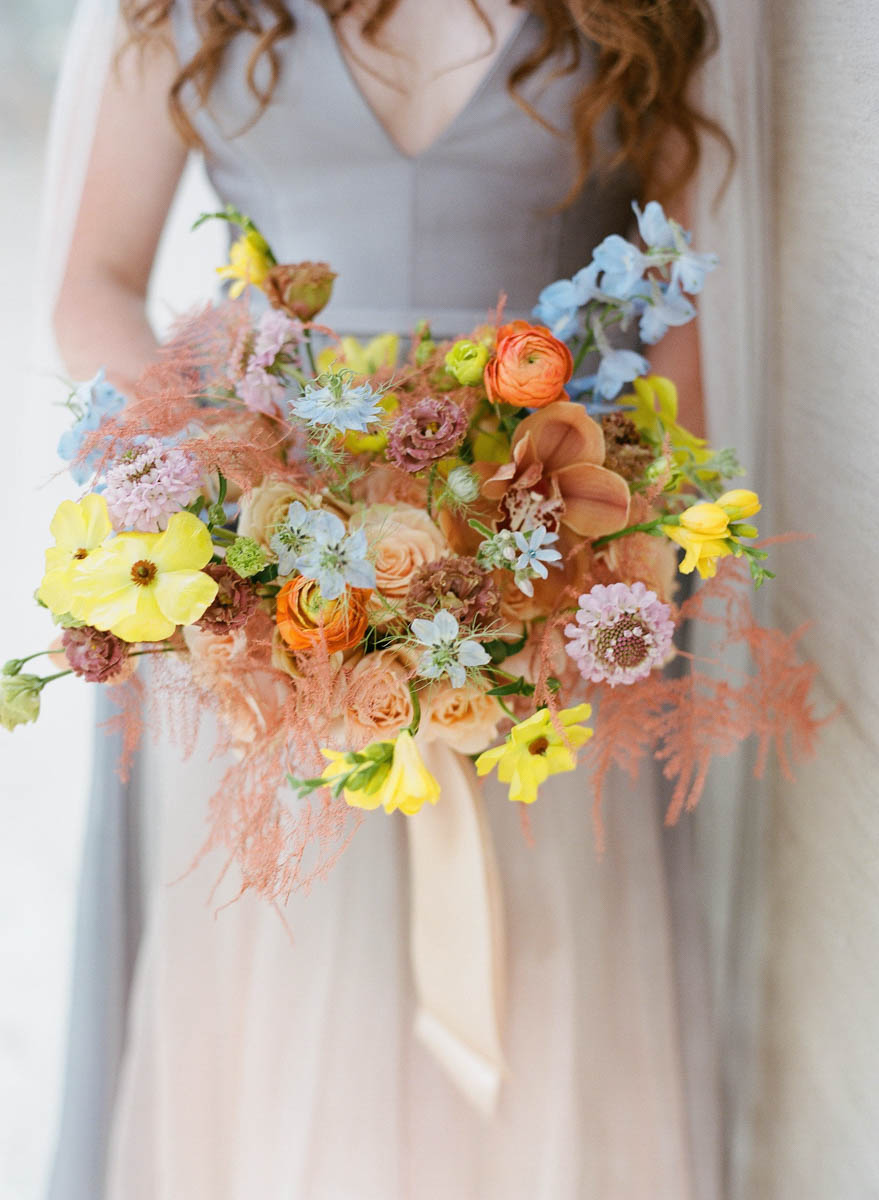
(808, 1109)
(44, 768)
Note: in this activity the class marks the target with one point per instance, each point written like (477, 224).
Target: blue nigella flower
(92, 403)
(338, 403)
(335, 558)
(447, 653)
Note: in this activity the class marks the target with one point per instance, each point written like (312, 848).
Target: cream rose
(466, 718)
(264, 508)
(378, 703)
(402, 539)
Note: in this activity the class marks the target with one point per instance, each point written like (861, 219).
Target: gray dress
(241, 1065)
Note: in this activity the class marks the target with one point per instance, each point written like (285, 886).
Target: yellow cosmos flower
(250, 261)
(374, 443)
(534, 750)
(78, 530)
(141, 586)
(382, 351)
(406, 785)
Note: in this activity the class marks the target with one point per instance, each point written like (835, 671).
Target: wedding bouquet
(344, 557)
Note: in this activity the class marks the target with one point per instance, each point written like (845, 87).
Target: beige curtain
(792, 870)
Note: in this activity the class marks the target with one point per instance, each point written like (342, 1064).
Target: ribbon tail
(456, 930)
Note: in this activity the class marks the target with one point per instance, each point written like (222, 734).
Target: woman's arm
(677, 357)
(136, 162)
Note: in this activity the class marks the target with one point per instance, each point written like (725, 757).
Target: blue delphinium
(618, 367)
(558, 305)
(665, 307)
(91, 403)
(622, 266)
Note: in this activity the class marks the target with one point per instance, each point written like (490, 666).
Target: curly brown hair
(647, 53)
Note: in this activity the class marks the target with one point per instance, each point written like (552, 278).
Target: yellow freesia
(141, 586)
(250, 260)
(382, 351)
(654, 410)
(739, 503)
(706, 518)
(702, 549)
(78, 529)
(535, 749)
(374, 443)
(406, 786)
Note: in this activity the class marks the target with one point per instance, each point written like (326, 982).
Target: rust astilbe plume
(646, 54)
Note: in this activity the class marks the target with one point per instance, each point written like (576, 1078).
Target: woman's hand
(136, 161)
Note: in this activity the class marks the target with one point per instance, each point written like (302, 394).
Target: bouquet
(343, 554)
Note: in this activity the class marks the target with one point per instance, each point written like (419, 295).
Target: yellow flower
(739, 503)
(381, 352)
(488, 440)
(374, 443)
(535, 749)
(250, 261)
(707, 519)
(702, 549)
(655, 413)
(141, 586)
(406, 785)
(78, 529)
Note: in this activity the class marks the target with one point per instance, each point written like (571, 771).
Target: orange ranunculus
(530, 368)
(306, 621)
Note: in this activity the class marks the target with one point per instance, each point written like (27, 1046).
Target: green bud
(19, 699)
(666, 471)
(462, 485)
(424, 350)
(465, 362)
(246, 557)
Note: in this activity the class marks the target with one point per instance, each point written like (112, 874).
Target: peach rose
(307, 621)
(465, 718)
(403, 539)
(378, 703)
(383, 484)
(530, 367)
(221, 664)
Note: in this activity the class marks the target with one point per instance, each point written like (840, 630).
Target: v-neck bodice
(436, 234)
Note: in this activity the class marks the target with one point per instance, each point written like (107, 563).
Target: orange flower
(556, 479)
(306, 621)
(530, 368)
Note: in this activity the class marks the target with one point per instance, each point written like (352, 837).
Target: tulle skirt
(270, 1053)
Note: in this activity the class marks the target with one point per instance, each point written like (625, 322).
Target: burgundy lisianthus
(93, 654)
(234, 602)
(457, 584)
(425, 433)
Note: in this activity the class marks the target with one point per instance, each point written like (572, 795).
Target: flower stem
(644, 527)
(431, 480)
(416, 710)
(309, 350)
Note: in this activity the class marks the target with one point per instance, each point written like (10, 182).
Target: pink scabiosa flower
(621, 633)
(425, 433)
(233, 604)
(150, 483)
(95, 655)
(275, 333)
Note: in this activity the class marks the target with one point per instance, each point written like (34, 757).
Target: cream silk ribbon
(456, 930)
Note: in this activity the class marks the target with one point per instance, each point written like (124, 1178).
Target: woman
(383, 137)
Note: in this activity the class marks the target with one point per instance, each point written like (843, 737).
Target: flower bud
(739, 503)
(465, 362)
(19, 699)
(246, 557)
(463, 485)
(666, 471)
(707, 519)
(301, 290)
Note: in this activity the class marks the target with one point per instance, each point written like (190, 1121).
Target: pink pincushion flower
(93, 654)
(234, 602)
(149, 484)
(426, 432)
(621, 633)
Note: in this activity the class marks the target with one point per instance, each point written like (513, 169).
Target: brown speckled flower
(235, 601)
(425, 433)
(457, 584)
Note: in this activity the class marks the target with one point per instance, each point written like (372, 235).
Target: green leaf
(519, 687)
(500, 650)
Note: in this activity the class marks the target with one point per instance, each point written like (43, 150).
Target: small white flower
(447, 653)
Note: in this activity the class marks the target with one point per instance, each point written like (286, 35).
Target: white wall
(816, 1130)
